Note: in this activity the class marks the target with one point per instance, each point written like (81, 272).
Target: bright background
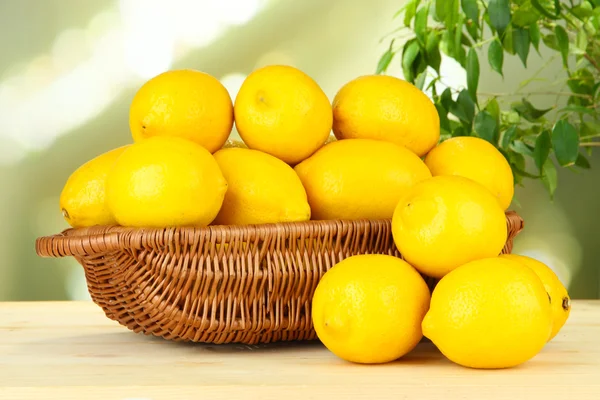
(69, 69)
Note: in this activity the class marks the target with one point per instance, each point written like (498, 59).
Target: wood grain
(70, 350)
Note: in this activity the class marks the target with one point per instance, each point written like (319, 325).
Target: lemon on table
(447, 221)
(559, 297)
(489, 313)
(283, 112)
(83, 198)
(261, 189)
(386, 108)
(165, 181)
(185, 103)
(368, 308)
(476, 159)
(359, 178)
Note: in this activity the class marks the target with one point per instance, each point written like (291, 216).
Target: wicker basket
(220, 284)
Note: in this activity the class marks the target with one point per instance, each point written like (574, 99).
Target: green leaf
(543, 144)
(421, 24)
(486, 127)
(494, 109)
(545, 12)
(471, 10)
(441, 10)
(528, 111)
(562, 39)
(535, 36)
(582, 162)
(411, 9)
(473, 30)
(525, 15)
(581, 43)
(447, 43)
(385, 60)
(549, 177)
(550, 41)
(464, 107)
(521, 148)
(446, 99)
(434, 58)
(443, 113)
(582, 11)
(446, 11)
(565, 141)
(472, 73)
(496, 56)
(420, 81)
(508, 137)
(507, 42)
(459, 52)
(499, 13)
(409, 55)
(521, 43)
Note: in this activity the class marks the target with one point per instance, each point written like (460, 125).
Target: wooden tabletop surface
(70, 350)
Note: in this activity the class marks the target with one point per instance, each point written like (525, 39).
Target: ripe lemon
(476, 159)
(283, 112)
(368, 308)
(83, 198)
(184, 103)
(359, 178)
(447, 221)
(559, 297)
(165, 181)
(386, 108)
(489, 313)
(261, 189)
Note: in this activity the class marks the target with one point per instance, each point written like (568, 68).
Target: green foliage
(477, 33)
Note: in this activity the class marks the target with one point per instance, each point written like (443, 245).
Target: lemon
(368, 308)
(476, 159)
(489, 313)
(283, 112)
(386, 108)
(83, 198)
(165, 181)
(261, 189)
(559, 297)
(359, 178)
(185, 103)
(447, 221)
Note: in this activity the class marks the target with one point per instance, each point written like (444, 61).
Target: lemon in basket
(261, 189)
(369, 308)
(476, 159)
(165, 181)
(489, 313)
(185, 103)
(83, 198)
(559, 297)
(386, 108)
(283, 112)
(359, 178)
(447, 221)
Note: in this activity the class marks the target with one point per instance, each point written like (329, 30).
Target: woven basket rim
(100, 239)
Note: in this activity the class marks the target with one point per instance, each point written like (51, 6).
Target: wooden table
(70, 350)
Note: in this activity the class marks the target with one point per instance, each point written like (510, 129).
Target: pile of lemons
(447, 203)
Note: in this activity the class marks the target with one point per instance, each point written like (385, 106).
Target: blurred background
(69, 70)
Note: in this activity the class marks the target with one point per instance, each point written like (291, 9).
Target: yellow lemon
(185, 103)
(476, 159)
(165, 181)
(83, 198)
(447, 221)
(359, 178)
(489, 313)
(369, 308)
(261, 189)
(386, 108)
(559, 297)
(283, 112)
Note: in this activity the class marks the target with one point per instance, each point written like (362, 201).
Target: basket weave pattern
(220, 284)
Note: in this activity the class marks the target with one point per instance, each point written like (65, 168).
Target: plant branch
(590, 144)
(585, 96)
(592, 61)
